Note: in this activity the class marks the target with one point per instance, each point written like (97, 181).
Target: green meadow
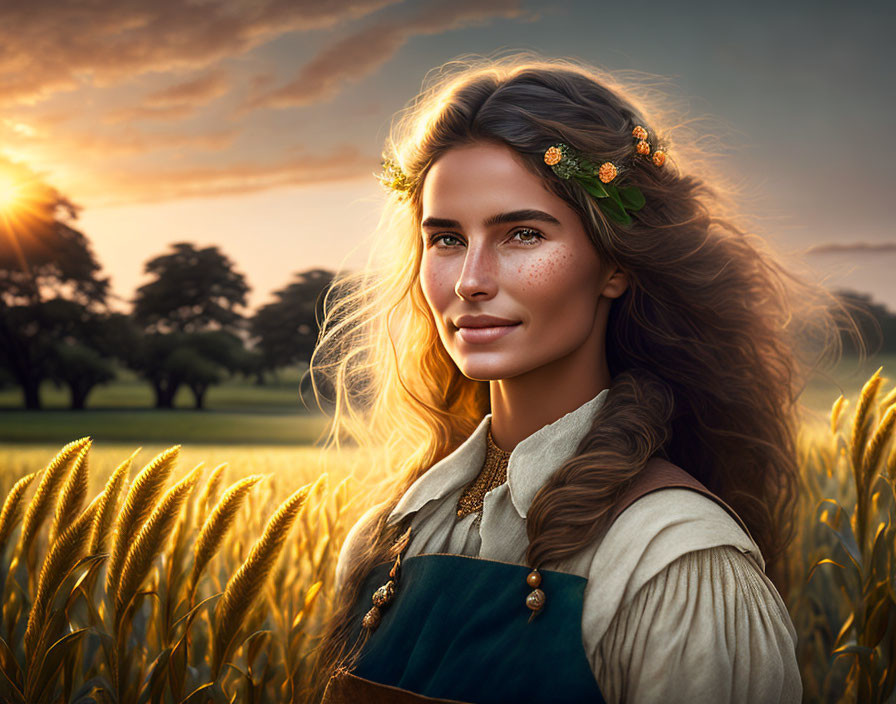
(240, 412)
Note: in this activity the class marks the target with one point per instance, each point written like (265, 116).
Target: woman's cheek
(547, 273)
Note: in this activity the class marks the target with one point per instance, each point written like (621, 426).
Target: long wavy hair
(708, 348)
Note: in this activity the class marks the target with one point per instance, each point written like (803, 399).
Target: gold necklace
(494, 473)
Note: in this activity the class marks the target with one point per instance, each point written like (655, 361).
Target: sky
(257, 125)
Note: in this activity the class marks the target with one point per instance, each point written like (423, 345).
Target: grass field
(237, 412)
(241, 413)
(148, 605)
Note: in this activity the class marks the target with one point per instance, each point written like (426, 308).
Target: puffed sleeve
(709, 627)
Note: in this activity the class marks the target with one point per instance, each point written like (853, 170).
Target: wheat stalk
(216, 526)
(12, 508)
(244, 586)
(882, 435)
(210, 489)
(860, 424)
(138, 504)
(837, 412)
(151, 539)
(73, 493)
(105, 512)
(45, 493)
(63, 556)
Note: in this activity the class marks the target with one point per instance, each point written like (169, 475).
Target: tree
(194, 290)
(81, 369)
(286, 330)
(190, 316)
(876, 323)
(50, 285)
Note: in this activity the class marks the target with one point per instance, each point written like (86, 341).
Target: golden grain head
(138, 504)
(151, 539)
(108, 505)
(218, 523)
(12, 507)
(73, 493)
(53, 476)
(245, 585)
(63, 556)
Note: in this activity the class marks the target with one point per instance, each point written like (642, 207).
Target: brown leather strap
(662, 474)
(346, 688)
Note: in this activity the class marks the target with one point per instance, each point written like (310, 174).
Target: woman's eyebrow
(499, 219)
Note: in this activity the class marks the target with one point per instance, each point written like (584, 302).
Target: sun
(10, 192)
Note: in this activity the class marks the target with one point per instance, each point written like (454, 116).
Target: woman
(583, 378)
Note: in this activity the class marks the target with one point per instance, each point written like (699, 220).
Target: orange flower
(639, 133)
(642, 147)
(659, 157)
(552, 156)
(606, 172)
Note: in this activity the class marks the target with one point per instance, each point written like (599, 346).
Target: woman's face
(497, 243)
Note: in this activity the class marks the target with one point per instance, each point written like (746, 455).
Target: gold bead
(659, 157)
(552, 156)
(384, 594)
(534, 579)
(607, 171)
(535, 600)
(371, 618)
(642, 147)
(639, 132)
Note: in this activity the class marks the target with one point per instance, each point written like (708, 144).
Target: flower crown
(616, 202)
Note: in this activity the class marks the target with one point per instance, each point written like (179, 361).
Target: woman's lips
(483, 335)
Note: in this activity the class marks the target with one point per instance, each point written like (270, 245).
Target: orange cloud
(364, 51)
(177, 101)
(65, 44)
(338, 164)
(124, 142)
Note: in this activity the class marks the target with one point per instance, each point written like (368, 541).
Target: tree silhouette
(50, 287)
(286, 330)
(193, 290)
(190, 313)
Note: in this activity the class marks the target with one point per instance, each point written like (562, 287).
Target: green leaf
(615, 211)
(632, 198)
(595, 188)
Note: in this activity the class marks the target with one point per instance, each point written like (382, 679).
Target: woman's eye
(529, 237)
(435, 239)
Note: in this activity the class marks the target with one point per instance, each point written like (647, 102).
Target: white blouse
(677, 607)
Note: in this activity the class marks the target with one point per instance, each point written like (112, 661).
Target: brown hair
(708, 348)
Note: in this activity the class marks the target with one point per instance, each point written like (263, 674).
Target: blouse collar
(532, 462)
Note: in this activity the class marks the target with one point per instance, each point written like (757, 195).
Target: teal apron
(459, 629)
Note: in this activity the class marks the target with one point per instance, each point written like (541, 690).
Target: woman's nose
(478, 275)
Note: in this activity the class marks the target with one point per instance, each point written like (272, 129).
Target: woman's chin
(491, 371)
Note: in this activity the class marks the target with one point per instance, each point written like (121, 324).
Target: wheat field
(204, 574)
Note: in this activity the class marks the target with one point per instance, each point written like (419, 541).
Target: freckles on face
(546, 270)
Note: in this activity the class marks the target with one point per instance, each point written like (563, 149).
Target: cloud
(362, 52)
(854, 248)
(177, 101)
(134, 142)
(122, 142)
(64, 44)
(341, 163)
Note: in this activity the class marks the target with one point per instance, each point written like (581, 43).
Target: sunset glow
(259, 126)
(10, 192)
